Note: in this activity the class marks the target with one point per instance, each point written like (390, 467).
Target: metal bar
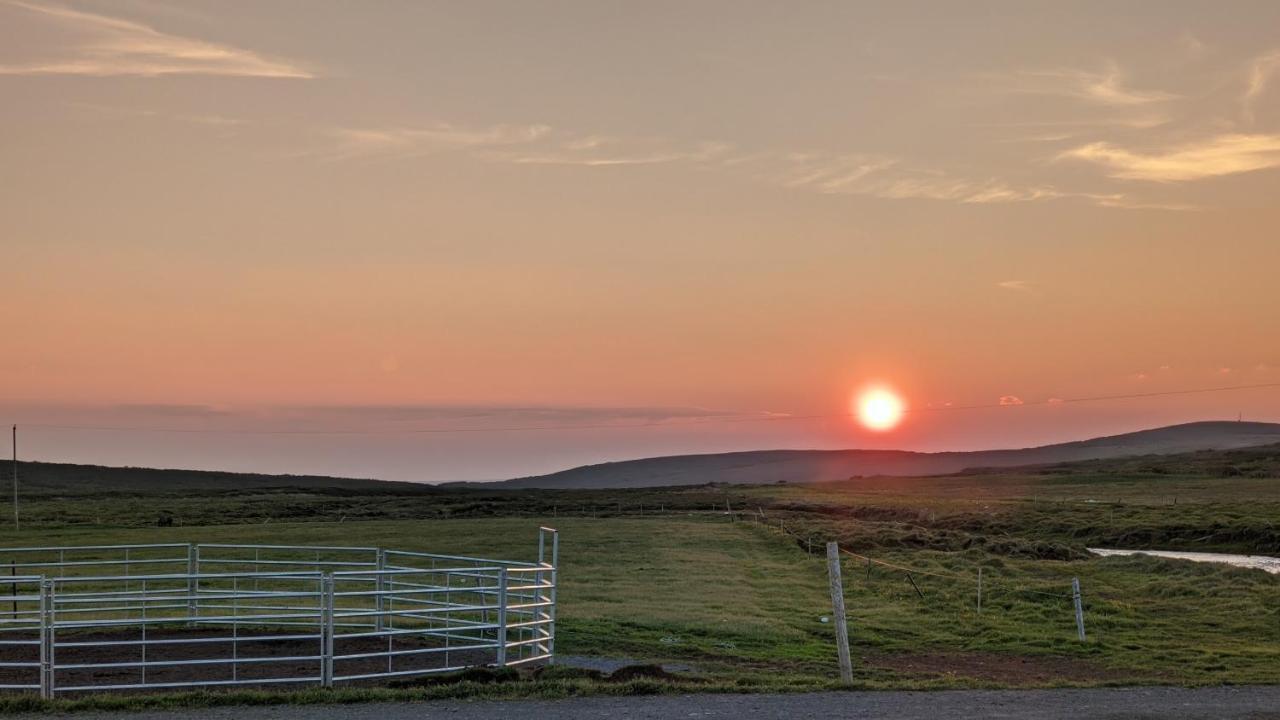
(326, 663)
(502, 618)
(417, 651)
(467, 558)
(195, 640)
(529, 659)
(552, 611)
(306, 563)
(94, 563)
(402, 673)
(300, 548)
(193, 583)
(194, 683)
(380, 623)
(46, 640)
(51, 548)
(180, 663)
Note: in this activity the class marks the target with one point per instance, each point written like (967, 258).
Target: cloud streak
(889, 178)
(107, 46)
(1215, 156)
(1104, 88)
(862, 174)
(1260, 72)
(596, 151)
(419, 141)
(1018, 285)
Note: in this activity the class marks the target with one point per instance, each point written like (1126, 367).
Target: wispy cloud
(1101, 88)
(418, 141)
(210, 119)
(1010, 400)
(1061, 130)
(864, 174)
(1125, 202)
(890, 178)
(530, 144)
(108, 46)
(1018, 285)
(1260, 72)
(596, 151)
(1214, 156)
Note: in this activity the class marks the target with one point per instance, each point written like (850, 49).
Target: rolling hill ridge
(801, 466)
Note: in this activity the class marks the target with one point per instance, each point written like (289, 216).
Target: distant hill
(1138, 452)
(1258, 461)
(801, 466)
(66, 479)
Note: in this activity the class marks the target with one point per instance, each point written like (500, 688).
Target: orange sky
(432, 215)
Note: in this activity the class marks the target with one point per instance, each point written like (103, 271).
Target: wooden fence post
(1075, 596)
(838, 614)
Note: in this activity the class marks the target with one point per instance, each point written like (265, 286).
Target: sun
(879, 408)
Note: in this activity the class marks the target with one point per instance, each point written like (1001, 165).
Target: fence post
(979, 591)
(502, 617)
(837, 606)
(193, 584)
(1075, 596)
(555, 583)
(379, 584)
(326, 631)
(46, 639)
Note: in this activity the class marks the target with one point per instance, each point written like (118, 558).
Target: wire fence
(160, 616)
(983, 587)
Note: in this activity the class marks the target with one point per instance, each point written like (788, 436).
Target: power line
(645, 425)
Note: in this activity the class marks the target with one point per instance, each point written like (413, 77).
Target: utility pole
(16, 526)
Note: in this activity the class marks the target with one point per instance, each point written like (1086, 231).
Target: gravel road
(1255, 703)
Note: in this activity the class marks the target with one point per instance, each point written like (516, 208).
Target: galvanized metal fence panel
(134, 617)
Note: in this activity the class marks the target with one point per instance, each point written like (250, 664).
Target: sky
(440, 241)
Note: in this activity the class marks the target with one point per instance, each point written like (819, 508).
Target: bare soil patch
(259, 660)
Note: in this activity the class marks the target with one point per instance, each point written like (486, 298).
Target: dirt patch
(605, 665)
(1005, 669)
(181, 655)
(643, 672)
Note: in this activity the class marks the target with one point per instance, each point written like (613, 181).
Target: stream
(1257, 562)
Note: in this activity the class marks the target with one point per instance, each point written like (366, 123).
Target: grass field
(720, 578)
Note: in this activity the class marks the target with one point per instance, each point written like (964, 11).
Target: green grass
(742, 601)
(666, 574)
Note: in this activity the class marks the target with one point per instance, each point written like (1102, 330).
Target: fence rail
(164, 616)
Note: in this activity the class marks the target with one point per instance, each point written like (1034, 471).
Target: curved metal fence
(141, 617)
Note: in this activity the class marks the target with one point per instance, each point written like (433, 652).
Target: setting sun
(879, 408)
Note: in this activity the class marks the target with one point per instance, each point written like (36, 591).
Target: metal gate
(137, 617)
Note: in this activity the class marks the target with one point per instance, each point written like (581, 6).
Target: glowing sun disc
(879, 409)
